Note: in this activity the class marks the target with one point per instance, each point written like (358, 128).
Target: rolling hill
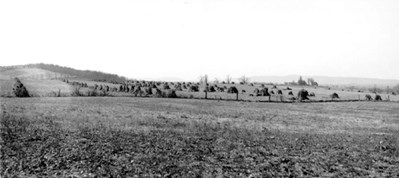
(43, 79)
(50, 71)
(323, 80)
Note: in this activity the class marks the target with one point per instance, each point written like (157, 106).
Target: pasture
(160, 137)
(321, 93)
(38, 82)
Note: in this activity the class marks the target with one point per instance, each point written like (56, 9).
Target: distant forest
(85, 74)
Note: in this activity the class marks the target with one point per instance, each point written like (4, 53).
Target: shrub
(148, 91)
(137, 91)
(290, 93)
(368, 97)
(166, 87)
(92, 92)
(158, 93)
(232, 90)
(103, 93)
(303, 95)
(334, 95)
(169, 94)
(194, 88)
(19, 89)
(178, 88)
(378, 98)
(212, 89)
(76, 91)
(279, 92)
(263, 92)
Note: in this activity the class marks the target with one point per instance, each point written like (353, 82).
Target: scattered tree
(301, 81)
(228, 79)
(244, 80)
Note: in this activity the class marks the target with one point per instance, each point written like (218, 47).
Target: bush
(148, 91)
(194, 88)
(279, 92)
(334, 95)
(303, 95)
(92, 92)
(178, 88)
(378, 98)
(76, 91)
(19, 89)
(158, 93)
(169, 94)
(368, 97)
(262, 92)
(166, 87)
(232, 90)
(212, 89)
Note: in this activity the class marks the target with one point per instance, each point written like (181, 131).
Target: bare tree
(228, 79)
(216, 80)
(312, 82)
(244, 80)
(203, 79)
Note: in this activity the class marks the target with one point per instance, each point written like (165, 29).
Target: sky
(147, 39)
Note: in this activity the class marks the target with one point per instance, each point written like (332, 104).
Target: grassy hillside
(38, 82)
(63, 72)
(29, 73)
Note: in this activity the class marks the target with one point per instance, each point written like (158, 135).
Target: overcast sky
(186, 39)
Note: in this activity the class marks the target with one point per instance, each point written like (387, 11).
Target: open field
(41, 82)
(37, 88)
(6, 87)
(38, 82)
(321, 93)
(158, 137)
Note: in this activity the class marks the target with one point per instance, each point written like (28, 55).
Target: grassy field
(157, 137)
(321, 93)
(6, 87)
(38, 82)
(40, 88)
(41, 83)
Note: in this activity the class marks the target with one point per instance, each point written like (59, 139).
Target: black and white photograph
(199, 88)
